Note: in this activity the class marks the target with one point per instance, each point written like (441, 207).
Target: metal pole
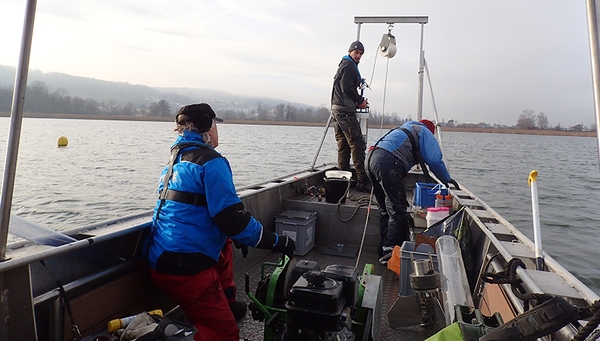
(421, 67)
(16, 117)
(312, 167)
(438, 129)
(358, 31)
(592, 15)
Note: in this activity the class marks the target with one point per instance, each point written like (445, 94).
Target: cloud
(488, 60)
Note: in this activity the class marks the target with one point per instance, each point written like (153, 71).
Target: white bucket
(338, 174)
(435, 214)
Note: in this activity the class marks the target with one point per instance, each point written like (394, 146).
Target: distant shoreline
(311, 124)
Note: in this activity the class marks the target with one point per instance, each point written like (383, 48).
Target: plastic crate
(422, 252)
(300, 226)
(425, 193)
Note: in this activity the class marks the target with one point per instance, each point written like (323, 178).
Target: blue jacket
(397, 143)
(188, 238)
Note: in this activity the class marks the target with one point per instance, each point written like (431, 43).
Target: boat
(69, 285)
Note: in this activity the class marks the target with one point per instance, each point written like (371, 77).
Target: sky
(488, 61)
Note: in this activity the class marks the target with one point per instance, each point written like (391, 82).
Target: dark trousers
(350, 141)
(387, 177)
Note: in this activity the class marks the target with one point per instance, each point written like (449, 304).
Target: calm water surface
(111, 169)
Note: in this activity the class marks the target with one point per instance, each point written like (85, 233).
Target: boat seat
(518, 250)
(484, 215)
(471, 203)
(501, 232)
(553, 284)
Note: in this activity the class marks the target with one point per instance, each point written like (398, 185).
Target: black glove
(243, 247)
(455, 184)
(285, 245)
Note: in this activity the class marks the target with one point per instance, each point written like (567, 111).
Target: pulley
(387, 47)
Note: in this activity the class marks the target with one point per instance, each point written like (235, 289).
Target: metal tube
(312, 166)
(421, 68)
(392, 20)
(592, 15)
(438, 129)
(358, 31)
(16, 117)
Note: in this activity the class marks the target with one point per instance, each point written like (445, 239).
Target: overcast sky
(488, 60)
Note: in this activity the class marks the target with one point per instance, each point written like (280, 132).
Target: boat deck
(324, 254)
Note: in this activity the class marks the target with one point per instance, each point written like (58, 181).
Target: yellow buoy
(63, 141)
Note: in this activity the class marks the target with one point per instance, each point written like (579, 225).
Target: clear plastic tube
(454, 282)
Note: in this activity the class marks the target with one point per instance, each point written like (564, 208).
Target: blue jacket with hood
(398, 143)
(188, 238)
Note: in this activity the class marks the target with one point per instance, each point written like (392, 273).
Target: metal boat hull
(104, 278)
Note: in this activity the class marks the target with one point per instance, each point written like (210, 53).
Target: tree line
(41, 99)
(529, 120)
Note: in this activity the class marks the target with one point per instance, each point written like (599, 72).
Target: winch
(299, 301)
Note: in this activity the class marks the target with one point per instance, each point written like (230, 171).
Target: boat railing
(122, 226)
(551, 263)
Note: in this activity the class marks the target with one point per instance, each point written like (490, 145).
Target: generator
(300, 301)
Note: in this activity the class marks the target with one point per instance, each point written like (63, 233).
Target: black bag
(453, 225)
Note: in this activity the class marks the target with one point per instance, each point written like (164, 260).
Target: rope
(362, 240)
(63, 294)
(362, 201)
(509, 276)
(373, 72)
(592, 323)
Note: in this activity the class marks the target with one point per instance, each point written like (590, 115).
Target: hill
(139, 95)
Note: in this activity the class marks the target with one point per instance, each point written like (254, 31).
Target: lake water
(111, 169)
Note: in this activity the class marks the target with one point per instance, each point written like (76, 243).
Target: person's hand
(285, 245)
(364, 104)
(243, 247)
(455, 184)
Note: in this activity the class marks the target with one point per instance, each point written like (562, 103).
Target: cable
(371, 195)
(373, 72)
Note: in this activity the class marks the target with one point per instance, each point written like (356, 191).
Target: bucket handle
(437, 189)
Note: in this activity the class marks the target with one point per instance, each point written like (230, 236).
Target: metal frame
(16, 118)
(593, 30)
(422, 20)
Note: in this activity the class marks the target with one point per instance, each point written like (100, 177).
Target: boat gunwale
(551, 263)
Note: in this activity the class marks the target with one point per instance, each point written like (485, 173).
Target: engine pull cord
(362, 241)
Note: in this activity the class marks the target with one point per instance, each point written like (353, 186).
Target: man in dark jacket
(345, 99)
(388, 162)
(197, 215)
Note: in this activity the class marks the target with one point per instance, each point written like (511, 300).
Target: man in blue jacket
(197, 215)
(345, 99)
(388, 162)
